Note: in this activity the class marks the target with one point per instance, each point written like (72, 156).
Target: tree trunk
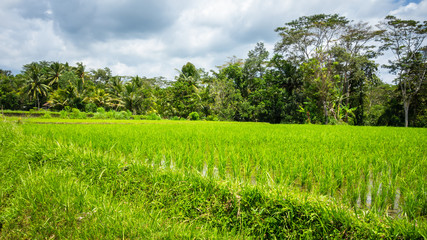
(347, 101)
(406, 109)
(325, 108)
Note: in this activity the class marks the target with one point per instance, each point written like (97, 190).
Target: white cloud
(414, 11)
(153, 38)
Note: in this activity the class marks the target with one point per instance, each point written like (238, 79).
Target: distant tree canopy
(322, 70)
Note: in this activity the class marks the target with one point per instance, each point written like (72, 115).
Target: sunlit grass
(210, 180)
(366, 167)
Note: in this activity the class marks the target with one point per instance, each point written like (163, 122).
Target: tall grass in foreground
(55, 189)
(376, 168)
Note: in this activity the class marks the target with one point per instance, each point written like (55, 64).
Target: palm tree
(132, 98)
(100, 98)
(36, 87)
(55, 71)
(115, 85)
(80, 71)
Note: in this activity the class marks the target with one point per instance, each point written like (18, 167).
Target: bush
(153, 116)
(212, 118)
(99, 115)
(63, 114)
(75, 113)
(110, 114)
(47, 116)
(175, 118)
(82, 115)
(90, 107)
(119, 115)
(100, 110)
(194, 116)
(128, 114)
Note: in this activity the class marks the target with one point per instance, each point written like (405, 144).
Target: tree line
(322, 70)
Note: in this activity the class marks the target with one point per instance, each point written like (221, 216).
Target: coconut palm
(132, 97)
(80, 71)
(36, 87)
(54, 72)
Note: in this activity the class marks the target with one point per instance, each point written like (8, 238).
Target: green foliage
(137, 117)
(47, 115)
(110, 114)
(64, 114)
(91, 108)
(65, 187)
(194, 116)
(212, 118)
(75, 113)
(153, 116)
(324, 63)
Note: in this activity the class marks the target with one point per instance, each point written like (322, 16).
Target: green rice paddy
(367, 170)
(375, 167)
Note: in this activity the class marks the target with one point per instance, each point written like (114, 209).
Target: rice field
(376, 169)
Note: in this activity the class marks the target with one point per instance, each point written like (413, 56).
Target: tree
(80, 71)
(283, 84)
(36, 88)
(223, 90)
(309, 40)
(405, 39)
(54, 73)
(101, 76)
(132, 97)
(353, 57)
(186, 97)
(254, 68)
(309, 36)
(10, 97)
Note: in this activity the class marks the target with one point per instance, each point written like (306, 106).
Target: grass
(209, 180)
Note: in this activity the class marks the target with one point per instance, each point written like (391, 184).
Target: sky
(155, 38)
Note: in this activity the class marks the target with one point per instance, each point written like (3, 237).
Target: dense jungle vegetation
(323, 70)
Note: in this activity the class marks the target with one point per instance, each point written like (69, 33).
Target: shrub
(100, 110)
(90, 107)
(175, 118)
(212, 118)
(75, 113)
(63, 114)
(194, 116)
(121, 115)
(99, 115)
(110, 114)
(47, 115)
(153, 116)
(82, 115)
(128, 114)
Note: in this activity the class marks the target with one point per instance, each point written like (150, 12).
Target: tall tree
(186, 97)
(54, 73)
(80, 71)
(405, 39)
(353, 56)
(309, 40)
(224, 91)
(254, 68)
(37, 87)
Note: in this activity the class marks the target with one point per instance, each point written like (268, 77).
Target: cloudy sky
(153, 38)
